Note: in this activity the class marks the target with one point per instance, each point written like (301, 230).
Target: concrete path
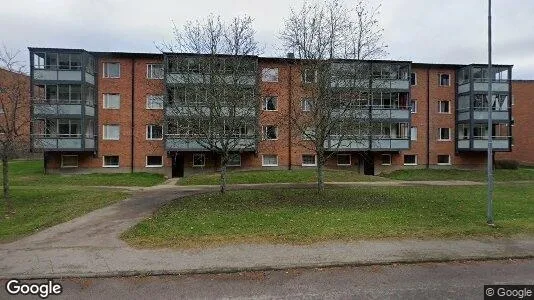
(90, 246)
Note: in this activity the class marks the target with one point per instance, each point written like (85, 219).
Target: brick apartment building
(108, 112)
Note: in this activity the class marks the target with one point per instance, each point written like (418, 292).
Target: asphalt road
(454, 280)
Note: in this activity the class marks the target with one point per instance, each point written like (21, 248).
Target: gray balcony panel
(391, 84)
(60, 109)
(464, 115)
(495, 115)
(360, 144)
(45, 74)
(89, 143)
(89, 111)
(463, 144)
(464, 88)
(390, 113)
(74, 143)
(187, 111)
(496, 87)
(390, 144)
(70, 75)
(353, 83)
(89, 78)
(185, 144)
(497, 144)
(45, 143)
(174, 78)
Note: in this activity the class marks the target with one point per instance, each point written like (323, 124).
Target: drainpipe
(428, 117)
(290, 108)
(132, 118)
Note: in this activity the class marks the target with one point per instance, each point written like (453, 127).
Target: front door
(178, 165)
(368, 165)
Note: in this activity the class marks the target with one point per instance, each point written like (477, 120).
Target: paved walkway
(90, 246)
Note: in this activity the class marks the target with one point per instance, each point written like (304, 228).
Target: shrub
(507, 164)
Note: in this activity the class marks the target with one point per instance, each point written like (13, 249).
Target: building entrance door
(178, 165)
(368, 164)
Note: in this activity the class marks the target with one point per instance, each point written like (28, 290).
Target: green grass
(31, 172)
(277, 176)
(301, 216)
(40, 207)
(520, 174)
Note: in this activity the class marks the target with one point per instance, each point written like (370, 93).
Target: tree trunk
(320, 173)
(224, 162)
(5, 173)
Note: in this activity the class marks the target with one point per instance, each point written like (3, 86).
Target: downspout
(428, 117)
(290, 85)
(132, 119)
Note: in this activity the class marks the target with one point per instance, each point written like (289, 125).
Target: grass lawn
(40, 207)
(277, 176)
(301, 216)
(30, 172)
(452, 174)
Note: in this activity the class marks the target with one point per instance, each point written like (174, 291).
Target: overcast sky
(447, 31)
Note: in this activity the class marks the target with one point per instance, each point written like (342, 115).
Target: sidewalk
(120, 261)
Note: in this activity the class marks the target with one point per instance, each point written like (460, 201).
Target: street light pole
(489, 212)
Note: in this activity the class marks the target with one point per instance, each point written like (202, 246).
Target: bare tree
(332, 43)
(212, 90)
(15, 115)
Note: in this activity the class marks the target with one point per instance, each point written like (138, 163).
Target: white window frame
(439, 134)
(104, 104)
(153, 166)
(105, 72)
(439, 79)
(265, 70)
(235, 165)
(415, 73)
(413, 137)
(444, 164)
(414, 106)
(148, 101)
(265, 99)
(387, 164)
(309, 165)
(409, 164)
(70, 155)
(350, 160)
(149, 71)
(264, 132)
(269, 165)
(439, 107)
(203, 160)
(110, 166)
(104, 132)
(149, 132)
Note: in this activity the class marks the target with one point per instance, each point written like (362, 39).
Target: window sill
(309, 165)
(439, 140)
(269, 165)
(68, 167)
(444, 164)
(153, 166)
(161, 139)
(154, 108)
(110, 166)
(386, 164)
(410, 164)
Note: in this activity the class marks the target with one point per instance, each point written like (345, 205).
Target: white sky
(445, 31)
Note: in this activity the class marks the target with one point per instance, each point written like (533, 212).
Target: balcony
(182, 110)
(49, 108)
(482, 115)
(390, 113)
(75, 142)
(365, 143)
(500, 143)
(180, 142)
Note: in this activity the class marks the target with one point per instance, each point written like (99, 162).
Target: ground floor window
(410, 160)
(269, 160)
(199, 160)
(153, 161)
(444, 159)
(234, 160)
(343, 160)
(309, 160)
(386, 159)
(69, 161)
(111, 161)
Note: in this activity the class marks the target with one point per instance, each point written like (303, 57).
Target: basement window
(111, 161)
(269, 160)
(309, 160)
(410, 160)
(234, 160)
(444, 159)
(343, 160)
(69, 161)
(199, 160)
(154, 161)
(386, 159)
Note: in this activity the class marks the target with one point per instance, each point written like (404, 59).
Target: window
(270, 103)
(154, 132)
(444, 159)
(69, 128)
(111, 132)
(310, 76)
(154, 102)
(111, 161)
(199, 160)
(69, 161)
(410, 160)
(154, 161)
(444, 107)
(444, 134)
(414, 106)
(112, 101)
(386, 159)
(270, 132)
(269, 75)
(306, 104)
(269, 160)
(413, 79)
(343, 160)
(234, 160)
(112, 70)
(413, 133)
(444, 79)
(154, 71)
(309, 160)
